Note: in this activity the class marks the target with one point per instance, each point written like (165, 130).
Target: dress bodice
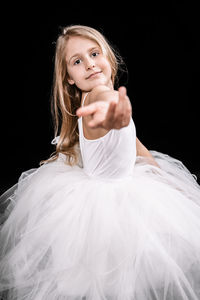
(110, 156)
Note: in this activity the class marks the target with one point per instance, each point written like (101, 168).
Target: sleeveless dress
(112, 227)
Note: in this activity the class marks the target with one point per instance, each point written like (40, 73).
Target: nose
(89, 63)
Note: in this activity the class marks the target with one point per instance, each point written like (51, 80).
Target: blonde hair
(66, 98)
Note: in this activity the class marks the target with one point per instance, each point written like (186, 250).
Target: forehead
(77, 44)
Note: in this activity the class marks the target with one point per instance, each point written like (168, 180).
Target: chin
(94, 84)
(99, 82)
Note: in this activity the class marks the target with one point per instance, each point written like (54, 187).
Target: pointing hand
(109, 115)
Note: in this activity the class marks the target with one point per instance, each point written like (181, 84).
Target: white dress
(113, 227)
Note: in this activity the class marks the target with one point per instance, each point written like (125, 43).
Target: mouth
(93, 74)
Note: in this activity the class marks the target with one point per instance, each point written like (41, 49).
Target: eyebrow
(79, 54)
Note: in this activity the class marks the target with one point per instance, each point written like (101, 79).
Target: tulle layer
(68, 236)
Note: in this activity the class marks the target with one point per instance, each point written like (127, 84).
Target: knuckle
(121, 114)
(129, 110)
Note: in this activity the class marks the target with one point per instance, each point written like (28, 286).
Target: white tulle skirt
(67, 236)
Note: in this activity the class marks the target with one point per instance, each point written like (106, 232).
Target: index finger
(86, 110)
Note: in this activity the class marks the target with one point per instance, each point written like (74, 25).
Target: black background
(160, 46)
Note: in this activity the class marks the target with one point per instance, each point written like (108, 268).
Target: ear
(70, 81)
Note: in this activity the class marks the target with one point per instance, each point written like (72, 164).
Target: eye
(77, 62)
(96, 53)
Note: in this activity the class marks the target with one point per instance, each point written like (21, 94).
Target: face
(87, 66)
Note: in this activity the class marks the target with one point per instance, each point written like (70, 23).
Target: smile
(94, 74)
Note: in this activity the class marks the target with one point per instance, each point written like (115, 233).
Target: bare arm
(103, 93)
(107, 109)
(143, 151)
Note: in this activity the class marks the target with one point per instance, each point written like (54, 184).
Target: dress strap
(84, 98)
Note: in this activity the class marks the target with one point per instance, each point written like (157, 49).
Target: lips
(93, 74)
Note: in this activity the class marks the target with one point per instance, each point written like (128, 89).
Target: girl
(103, 218)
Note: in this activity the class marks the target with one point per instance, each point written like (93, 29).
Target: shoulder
(101, 93)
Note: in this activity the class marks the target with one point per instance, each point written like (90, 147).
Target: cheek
(107, 64)
(74, 74)
(107, 67)
(69, 73)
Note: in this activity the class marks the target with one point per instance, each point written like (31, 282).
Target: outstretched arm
(107, 109)
(114, 112)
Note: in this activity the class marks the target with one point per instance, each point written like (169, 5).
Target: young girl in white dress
(103, 218)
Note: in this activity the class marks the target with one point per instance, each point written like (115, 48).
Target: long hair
(66, 98)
